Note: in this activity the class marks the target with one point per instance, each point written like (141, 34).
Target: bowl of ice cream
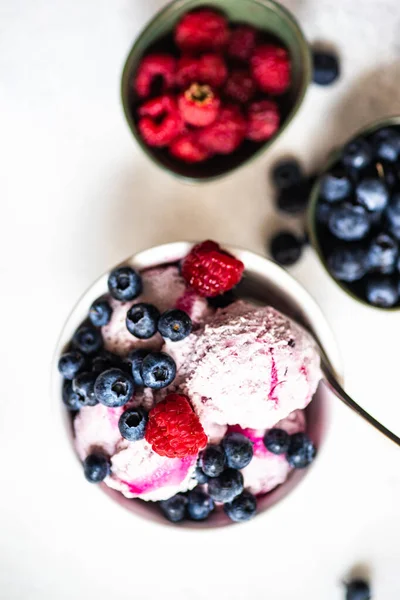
(218, 406)
(209, 85)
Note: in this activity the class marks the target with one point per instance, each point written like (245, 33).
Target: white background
(76, 196)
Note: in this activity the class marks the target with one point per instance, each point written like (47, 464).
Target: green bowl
(314, 197)
(263, 14)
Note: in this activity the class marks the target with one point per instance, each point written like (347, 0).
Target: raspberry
(187, 71)
(271, 68)
(226, 133)
(155, 67)
(201, 30)
(262, 120)
(160, 121)
(210, 270)
(212, 70)
(242, 42)
(199, 105)
(188, 149)
(240, 86)
(173, 429)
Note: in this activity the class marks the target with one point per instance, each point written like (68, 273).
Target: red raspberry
(212, 70)
(173, 429)
(201, 30)
(226, 133)
(160, 121)
(240, 86)
(210, 270)
(199, 105)
(271, 68)
(155, 65)
(187, 71)
(188, 149)
(242, 42)
(262, 120)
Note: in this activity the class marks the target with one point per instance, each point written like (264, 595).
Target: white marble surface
(76, 197)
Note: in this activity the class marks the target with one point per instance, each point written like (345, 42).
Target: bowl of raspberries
(208, 86)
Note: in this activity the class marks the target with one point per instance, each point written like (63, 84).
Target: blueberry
(200, 476)
(142, 320)
(212, 461)
(87, 339)
(335, 185)
(358, 589)
(323, 212)
(357, 154)
(158, 370)
(175, 325)
(238, 450)
(71, 399)
(96, 467)
(83, 385)
(70, 363)
(390, 173)
(124, 284)
(382, 254)
(325, 67)
(372, 194)
(135, 360)
(348, 222)
(286, 173)
(114, 388)
(301, 451)
(382, 292)
(174, 509)
(104, 361)
(293, 200)
(226, 486)
(277, 441)
(223, 300)
(286, 248)
(100, 312)
(348, 263)
(132, 424)
(393, 211)
(386, 144)
(200, 505)
(242, 508)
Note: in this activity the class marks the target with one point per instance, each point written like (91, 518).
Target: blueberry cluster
(298, 448)
(358, 218)
(93, 375)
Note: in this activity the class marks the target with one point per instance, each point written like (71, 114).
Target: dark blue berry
(348, 263)
(200, 476)
(382, 292)
(124, 284)
(286, 248)
(96, 467)
(100, 312)
(71, 399)
(200, 505)
(372, 194)
(386, 143)
(132, 424)
(142, 320)
(335, 185)
(70, 363)
(104, 361)
(277, 441)
(226, 486)
(134, 360)
(286, 173)
(293, 200)
(114, 388)
(242, 508)
(357, 154)
(174, 509)
(325, 67)
(175, 325)
(87, 339)
(382, 254)
(348, 222)
(301, 451)
(358, 589)
(158, 370)
(212, 461)
(83, 385)
(238, 450)
(323, 212)
(393, 211)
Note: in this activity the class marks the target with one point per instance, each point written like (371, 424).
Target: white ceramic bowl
(264, 282)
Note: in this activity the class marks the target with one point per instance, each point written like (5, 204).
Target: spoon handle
(335, 387)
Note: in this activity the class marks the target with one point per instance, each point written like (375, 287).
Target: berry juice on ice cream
(179, 402)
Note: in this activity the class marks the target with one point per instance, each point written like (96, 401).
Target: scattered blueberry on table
(326, 68)
(358, 589)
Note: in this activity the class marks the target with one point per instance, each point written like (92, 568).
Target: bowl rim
(314, 197)
(306, 80)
